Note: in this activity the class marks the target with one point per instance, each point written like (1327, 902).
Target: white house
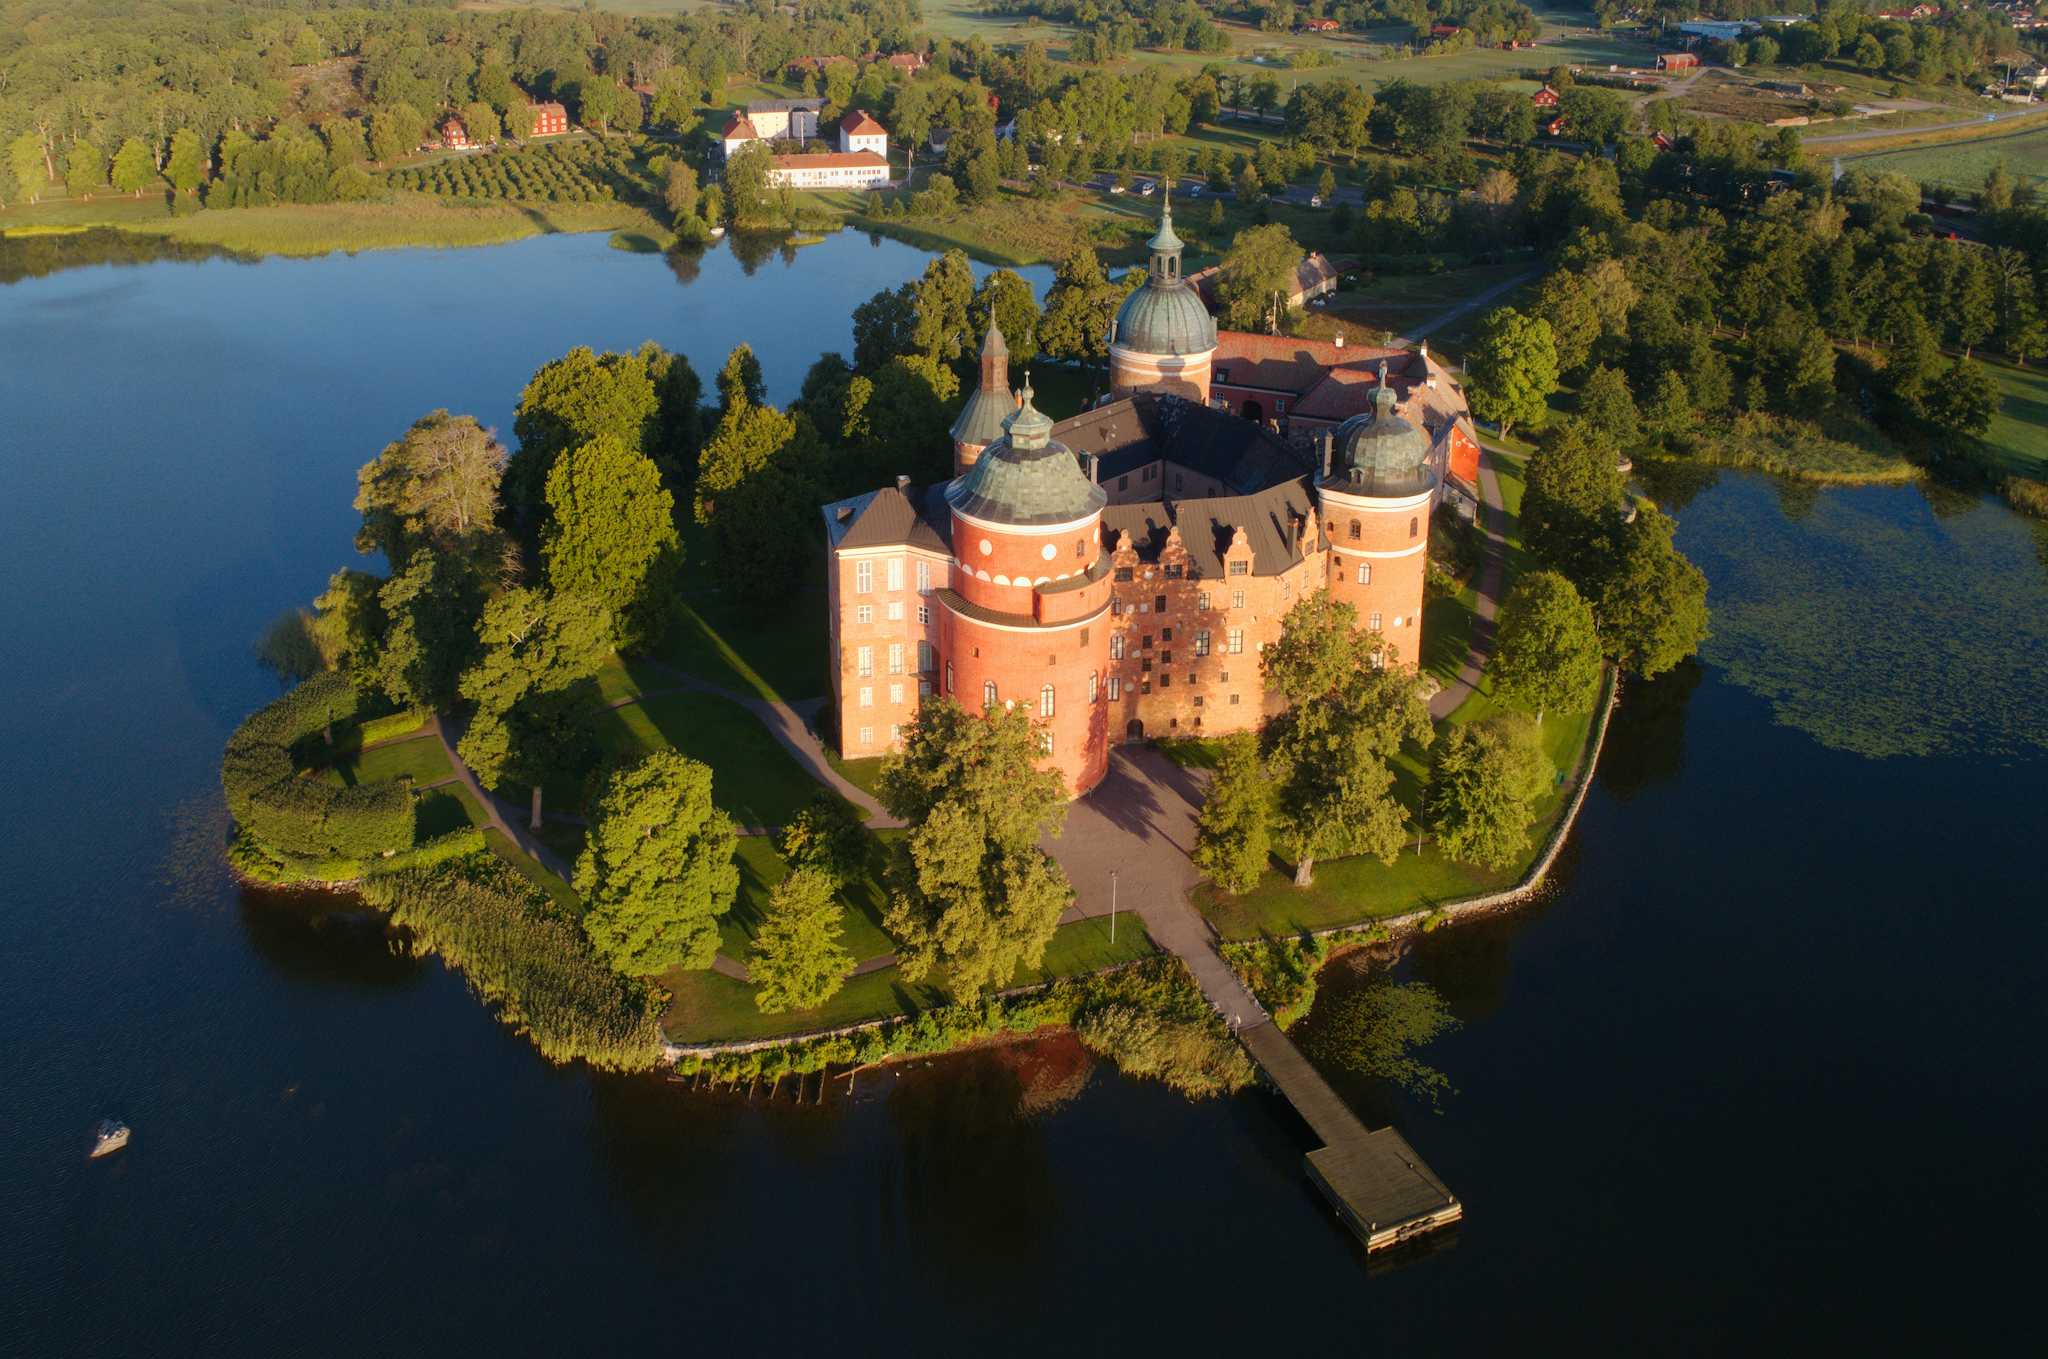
(785, 120)
(859, 131)
(830, 170)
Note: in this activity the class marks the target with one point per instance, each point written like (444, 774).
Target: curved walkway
(1493, 522)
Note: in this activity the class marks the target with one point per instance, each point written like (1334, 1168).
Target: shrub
(393, 724)
(1187, 1054)
(2026, 496)
(519, 953)
(1281, 973)
(299, 817)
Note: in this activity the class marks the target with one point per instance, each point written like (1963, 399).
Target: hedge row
(517, 950)
(261, 864)
(305, 818)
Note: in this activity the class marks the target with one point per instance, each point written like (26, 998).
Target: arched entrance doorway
(1253, 412)
(1134, 730)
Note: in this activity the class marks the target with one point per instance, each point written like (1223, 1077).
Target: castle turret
(1163, 337)
(1023, 625)
(981, 419)
(1377, 488)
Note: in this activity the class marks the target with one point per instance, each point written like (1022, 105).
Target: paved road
(1463, 309)
(1983, 120)
(1493, 521)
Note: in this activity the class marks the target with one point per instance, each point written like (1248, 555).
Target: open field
(1958, 159)
(2018, 438)
(755, 781)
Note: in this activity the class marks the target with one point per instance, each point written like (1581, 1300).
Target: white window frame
(895, 573)
(863, 577)
(864, 661)
(895, 658)
(867, 696)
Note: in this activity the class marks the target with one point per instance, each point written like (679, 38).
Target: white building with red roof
(859, 130)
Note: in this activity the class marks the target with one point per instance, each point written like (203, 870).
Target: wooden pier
(1374, 1180)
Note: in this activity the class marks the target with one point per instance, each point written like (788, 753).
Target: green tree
(828, 837)
(940, 304)
(1652, 605)
(1573, 492)
(394, 131)
(679, 191)
(657, 871)
(1256, 278)
(1565, 303)
(798, 962)
(134, 170)
(1512, 370)
(1233, 835)
(969, 888)
(1606, 403)
(186, 167)
(747, 438)
(530, 687)
(436, 487)
(740, 381)
(1078, 309)
(430, 608)
(1328, 754)
(1485, 778)
(611, 535)
(1547, 652)
(570, 401)
(1965, 399)
(605, 104)
(25, 163)
(481, 122)
(1006, 299)
(85, 168)
(747, 195)
(1669, 411)
(1375, 1029)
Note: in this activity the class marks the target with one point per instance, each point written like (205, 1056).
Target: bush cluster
(1149, 1018)
(561, 172)
(303, 818)
(520, 952)
(1281, 973)
(258, 864)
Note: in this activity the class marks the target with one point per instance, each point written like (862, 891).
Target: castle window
(924, 658)
(867, 696)
(1237, 599)
(949, 677)
(895, 733)
(1166, 634)
(1166, 658)
(1233, 700)
(1159, 603)
(1045, 743)
(1365, 573)
(1165, 680)
(1081, 548)
(864, 613)
(1375, 624)
(895, 611)
(1414, 527)
(1123, 573)
(895, 573)
(1146, 641)
(1235, 641)
(1198, 700)
(1052, 658)
(1045, 701)
(1094, 686)
(1116, 646)
(1084, 637)
(1123, 483)
(1202, 600)
(863, 577)
(1202, 643)
(867, 736)
(1145, 687)
(1116, 688)
(896, 658)
(924, 686)
(924, 613)
(988, 694)
(1145, 666)
(1173, 573)
(924, 580)
(1354, 530)
(864, 661)
(1240, 568)
(896, 693)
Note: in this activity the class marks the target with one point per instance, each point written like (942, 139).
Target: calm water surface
(1762, 1072)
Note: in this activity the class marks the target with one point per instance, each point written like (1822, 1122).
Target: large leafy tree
(430, 610)
(1573, 498)
(747, 439)
(611, 536)
(798, 961)
(1328, 754)
(657, 870)
(1512, 369)
(1005, 298)
(740, 382)
(1546, 652)
(940, 328)
(1256, 278)
(1652, 606)
(1965, 399)
(436, 487)
(571, 401)
(748, 197)
(1078, 309)
(529, 687)
(1485, 778)
(970, 889)
(1233, 834)
(186, 166)
(884, 327)
(134, 171)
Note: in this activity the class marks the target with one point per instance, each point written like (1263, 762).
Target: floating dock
(1374, 1180)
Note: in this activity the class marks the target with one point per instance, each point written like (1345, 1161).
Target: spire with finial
(995, 360)
(1027, 426)
(1383, 395)
(1165, 247)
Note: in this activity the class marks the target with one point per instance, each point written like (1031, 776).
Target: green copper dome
(1026, 477)
(1165, 316)
(1380, 454)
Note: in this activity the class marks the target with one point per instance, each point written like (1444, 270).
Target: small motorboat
(109, 1137)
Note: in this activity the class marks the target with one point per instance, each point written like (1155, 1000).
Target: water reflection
(1646, 735)
(1675, 483)
(331, 938)
(38, 256)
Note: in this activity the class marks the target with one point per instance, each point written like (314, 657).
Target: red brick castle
(1118, 573)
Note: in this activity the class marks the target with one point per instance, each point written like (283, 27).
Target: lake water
(1762, 1071)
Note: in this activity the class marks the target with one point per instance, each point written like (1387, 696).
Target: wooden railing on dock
(1376, 1182)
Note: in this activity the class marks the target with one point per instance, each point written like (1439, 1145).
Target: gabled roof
(1269, 518)
(739, 128)
(1150, 427)
(785, 105)
(861, 123)
(885, 518)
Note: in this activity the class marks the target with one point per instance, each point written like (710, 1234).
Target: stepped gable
(1279, 522)
(1150, 426)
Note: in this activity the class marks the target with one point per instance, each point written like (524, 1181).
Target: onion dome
(981, 419)
(1026, 477)
(1166, 315)
(1381, 453)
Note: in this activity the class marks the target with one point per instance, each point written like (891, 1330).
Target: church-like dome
(1166, 316)
(1026, 477)
(1380, 454)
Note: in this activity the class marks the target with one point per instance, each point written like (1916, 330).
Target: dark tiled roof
(1145, 428)
(1268, 518)
(885, 518)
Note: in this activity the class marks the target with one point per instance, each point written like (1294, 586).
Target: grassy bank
(307, 229)
(1832, 451)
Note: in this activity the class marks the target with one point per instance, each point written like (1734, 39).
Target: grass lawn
(2018, 437)
(865, 775)
(775, 653)
(530, 869)
(762, 867)
(621, 678)
(706, 1007)
(754, 779)
(422, 758)
(1959, 158)
(447, 808)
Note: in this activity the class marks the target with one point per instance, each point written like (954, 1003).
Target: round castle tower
(1025, 625)
(1163, 338)
(1377, 491)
